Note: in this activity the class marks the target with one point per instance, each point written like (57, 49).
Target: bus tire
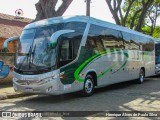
(141, 76)
(88, 87)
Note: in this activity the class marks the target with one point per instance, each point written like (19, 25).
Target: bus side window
(76, 44)
(68, 47)
(66, 52)
(90, 43)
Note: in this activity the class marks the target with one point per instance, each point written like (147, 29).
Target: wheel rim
(141, 77)
(88, 86)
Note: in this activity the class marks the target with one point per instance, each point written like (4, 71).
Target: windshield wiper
(33, 53)
(20, 65)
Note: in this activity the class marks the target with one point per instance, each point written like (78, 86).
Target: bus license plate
(29, 90)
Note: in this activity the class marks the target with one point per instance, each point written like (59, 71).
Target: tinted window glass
(66, 50)
(147, 44)
(135, 44)
(127, 38)
(90, 43)
(69, 46)
(103, 38)
(131, 42)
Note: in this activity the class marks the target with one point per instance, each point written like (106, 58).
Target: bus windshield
(35, 53)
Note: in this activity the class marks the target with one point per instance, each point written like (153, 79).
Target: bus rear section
(115, 54)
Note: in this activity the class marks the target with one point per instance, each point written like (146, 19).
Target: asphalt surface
(127, 96)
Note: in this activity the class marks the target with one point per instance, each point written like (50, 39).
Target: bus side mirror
(53, 45)
(55, 36)
(5, 45)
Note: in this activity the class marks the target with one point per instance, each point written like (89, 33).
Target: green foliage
(156, 32)
(137, 11)
(135, 14)
(146, 30)
(136, 6)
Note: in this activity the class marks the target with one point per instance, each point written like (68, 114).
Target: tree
(153, 14)
(46, 8)
(88, 5)
(115, 8)
(156, 33)
(130, 13)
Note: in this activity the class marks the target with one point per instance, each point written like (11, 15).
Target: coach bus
(157, 56)
(67, 54)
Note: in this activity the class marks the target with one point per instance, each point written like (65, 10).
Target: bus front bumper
(157, 70)
(51, 88)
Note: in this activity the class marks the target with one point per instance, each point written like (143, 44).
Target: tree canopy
(139, 15)
(135, 14)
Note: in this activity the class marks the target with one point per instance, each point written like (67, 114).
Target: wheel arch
(94, 75)
(143, 68)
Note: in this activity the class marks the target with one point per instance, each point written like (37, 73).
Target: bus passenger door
(65, 57)
(67, 53)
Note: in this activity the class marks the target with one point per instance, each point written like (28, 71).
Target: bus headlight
(15, 79)
(157, 67)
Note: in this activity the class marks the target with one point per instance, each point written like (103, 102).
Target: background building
(11, 26)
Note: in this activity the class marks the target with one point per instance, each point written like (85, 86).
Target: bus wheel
(88, 88)
(141, 76)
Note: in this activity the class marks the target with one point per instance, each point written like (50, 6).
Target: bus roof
(55, 20)
(86, 19)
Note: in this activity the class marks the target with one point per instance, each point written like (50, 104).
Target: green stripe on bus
(81, 67)
(126, 54)
(109, 69)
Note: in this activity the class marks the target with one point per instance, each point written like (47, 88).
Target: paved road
(120, 97)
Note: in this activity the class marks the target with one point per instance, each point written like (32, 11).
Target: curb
(10, 96)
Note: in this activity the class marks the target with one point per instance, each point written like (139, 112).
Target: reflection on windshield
(41, 49)
(24, 48)
(35, 52)
(26, 40)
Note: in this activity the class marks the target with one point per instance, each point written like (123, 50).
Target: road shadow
(115, 97)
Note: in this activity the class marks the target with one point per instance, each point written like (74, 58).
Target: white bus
(67, 54)
(157, 56)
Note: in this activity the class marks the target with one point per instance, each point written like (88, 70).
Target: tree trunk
(88, 5)
(127, 13)
(132, 24)
(114, 10)
(146, 6)
(46, 8)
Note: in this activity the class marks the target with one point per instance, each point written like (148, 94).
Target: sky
(99, 9)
